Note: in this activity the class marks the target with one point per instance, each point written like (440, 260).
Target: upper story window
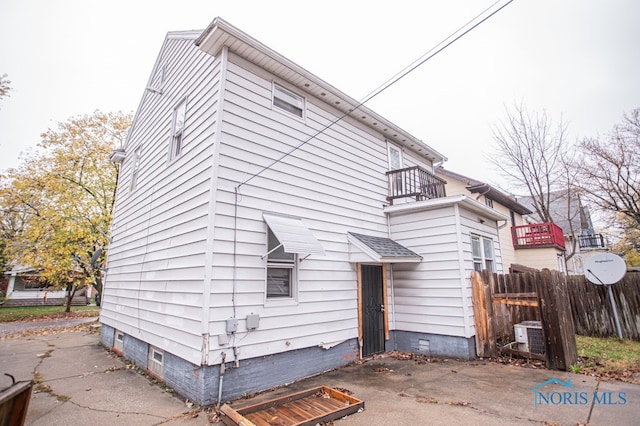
(177, 129)
(288, 101)
(395, 157)
(280, 269)
(482, 249)
(488, 202)
(134, 169)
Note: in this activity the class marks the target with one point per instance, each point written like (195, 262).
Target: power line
(400, 75)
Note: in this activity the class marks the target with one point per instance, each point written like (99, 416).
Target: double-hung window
(397, 185)
(281, 269)
(482, 249)
(177, 129)
(288, 101)
(287, 239)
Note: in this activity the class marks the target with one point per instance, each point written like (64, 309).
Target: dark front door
(372, 310)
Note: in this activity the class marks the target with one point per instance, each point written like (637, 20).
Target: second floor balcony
(546, 234)
(414, 182)
(593, 241)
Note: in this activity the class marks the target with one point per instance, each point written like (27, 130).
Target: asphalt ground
(81, 383)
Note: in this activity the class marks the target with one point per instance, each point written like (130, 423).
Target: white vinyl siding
(154, 281)
(334, 183)
(180, 226)
(434, 296)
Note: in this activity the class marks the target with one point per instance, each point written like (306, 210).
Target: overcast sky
(579, 59)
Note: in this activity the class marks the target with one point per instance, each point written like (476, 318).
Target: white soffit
(294, 236)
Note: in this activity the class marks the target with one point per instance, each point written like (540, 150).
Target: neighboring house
(25, 287)
(525, 245)
(266, 223)
(574, 218)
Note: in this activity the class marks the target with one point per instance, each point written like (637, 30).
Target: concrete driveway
(82, 383)
(449, 392)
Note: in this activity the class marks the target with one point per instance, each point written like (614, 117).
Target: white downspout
(392, 324)
(213, 185)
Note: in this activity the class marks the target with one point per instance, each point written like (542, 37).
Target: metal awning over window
(363, 248)
(294, 236)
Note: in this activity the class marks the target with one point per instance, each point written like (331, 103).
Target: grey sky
(575, 58)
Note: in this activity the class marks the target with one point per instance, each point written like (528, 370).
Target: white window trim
(303, 107)
(174, 153)
(135, 168)
(393, 147)
(287, 264)
(483, 259)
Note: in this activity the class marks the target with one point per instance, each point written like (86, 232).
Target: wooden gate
(500, 301)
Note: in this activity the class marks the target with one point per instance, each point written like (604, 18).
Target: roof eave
(462, 200)
(220, 34)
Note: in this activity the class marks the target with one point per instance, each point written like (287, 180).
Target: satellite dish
(604, 268)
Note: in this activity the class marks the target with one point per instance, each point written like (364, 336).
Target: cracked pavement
(446, 392)
(81, 383)
(78, 382)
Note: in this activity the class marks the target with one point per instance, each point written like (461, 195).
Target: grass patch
(608, 358)
(29, 313)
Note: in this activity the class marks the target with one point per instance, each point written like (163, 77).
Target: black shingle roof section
(385, 247)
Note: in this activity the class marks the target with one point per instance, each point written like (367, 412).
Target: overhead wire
(390, 82)
(452, 38)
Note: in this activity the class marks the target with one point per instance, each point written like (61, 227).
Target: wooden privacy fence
(500, 301)
(592, 310)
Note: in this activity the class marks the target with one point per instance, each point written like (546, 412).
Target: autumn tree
(64, 196)
(610, 168)
(625, 235)
(609, 173)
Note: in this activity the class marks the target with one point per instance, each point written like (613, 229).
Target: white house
(267, 228)
(525, 244)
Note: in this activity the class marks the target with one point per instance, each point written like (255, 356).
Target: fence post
(557, 321)
(488, 287)
(479, 315)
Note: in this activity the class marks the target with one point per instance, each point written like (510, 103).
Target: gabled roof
(381, 249)
(478, 187)
(220, 34)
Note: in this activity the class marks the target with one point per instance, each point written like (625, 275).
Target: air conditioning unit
(529, 337)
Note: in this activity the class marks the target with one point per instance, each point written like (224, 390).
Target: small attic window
(288, 101)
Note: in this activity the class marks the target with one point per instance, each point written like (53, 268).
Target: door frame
(385, 301)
